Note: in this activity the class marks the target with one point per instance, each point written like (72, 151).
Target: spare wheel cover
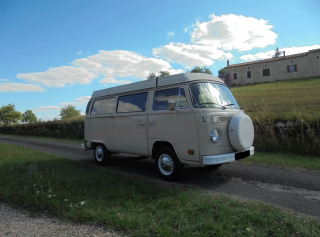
(240, 131)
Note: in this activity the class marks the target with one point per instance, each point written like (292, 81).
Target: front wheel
(167, 163)
(101, 155)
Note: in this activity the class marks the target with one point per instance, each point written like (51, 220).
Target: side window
(161, 98)
(103, 106)
(132, 103)
(88, 107)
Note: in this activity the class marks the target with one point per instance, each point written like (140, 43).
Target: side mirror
(172, 105)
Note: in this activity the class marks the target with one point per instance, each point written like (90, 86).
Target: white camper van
(184, 119)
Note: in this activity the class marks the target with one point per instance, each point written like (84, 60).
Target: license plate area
(242, 155)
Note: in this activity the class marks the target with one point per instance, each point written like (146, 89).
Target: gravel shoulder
(15, 222)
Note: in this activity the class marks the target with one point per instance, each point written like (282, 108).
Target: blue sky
(54, 53)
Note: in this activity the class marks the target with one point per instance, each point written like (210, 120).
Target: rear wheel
(167, 163)
(101, 155)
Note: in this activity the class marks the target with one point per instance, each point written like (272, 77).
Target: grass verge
(284, 160)
(43, 182)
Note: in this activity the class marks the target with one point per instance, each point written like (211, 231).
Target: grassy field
(284, 160)
(282, 98)
(45, 183)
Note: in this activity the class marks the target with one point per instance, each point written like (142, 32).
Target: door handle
(152, 123)
(141, 123)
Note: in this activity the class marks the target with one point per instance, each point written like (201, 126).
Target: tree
(203, 70)
(222, 72)
(164, 73)
(151, 75)
(69, 111)
(9, 115)
(277, 53)
(29, 117)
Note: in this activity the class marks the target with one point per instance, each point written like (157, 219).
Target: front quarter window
(211, 95)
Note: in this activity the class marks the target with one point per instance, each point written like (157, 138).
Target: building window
(248, 68)
(292, 68)
(234, 70)
(235, 76)
(266, 72)
(291, 60)
(266, 65)
(248, 74)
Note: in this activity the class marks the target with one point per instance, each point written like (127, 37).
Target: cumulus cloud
(118, 64)
(191, 55)
(170, 34)
(4, 80)
(78, 102)
(83, 100)
(234, 32)
(270, 53)
(47, 108)
(60, 76)
(20, 87)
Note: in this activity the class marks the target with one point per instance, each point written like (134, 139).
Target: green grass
(43, 182)
(282, 98)
(284, 160)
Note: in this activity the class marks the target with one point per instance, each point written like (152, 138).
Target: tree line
(9, 115)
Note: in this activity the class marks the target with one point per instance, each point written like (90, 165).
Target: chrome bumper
(227, 158)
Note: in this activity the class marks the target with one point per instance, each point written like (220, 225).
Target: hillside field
(283, 99)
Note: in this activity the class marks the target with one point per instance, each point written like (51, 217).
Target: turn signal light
(191, 152)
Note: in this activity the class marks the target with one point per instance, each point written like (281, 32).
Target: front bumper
(227, 158)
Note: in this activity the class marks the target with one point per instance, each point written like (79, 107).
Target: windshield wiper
(211, 103)
(228, 105)
(207, 103)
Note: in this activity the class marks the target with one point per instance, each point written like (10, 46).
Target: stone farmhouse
(274, 69)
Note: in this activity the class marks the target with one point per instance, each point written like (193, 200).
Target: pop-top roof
(155, 82)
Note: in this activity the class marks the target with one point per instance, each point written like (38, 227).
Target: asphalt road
(294, 189)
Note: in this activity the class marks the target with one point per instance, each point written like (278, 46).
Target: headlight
(215, 136)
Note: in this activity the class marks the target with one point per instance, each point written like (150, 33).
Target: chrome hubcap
(99, 153)
(165, 164)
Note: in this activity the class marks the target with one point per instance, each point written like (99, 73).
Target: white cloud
(234, 32)
(270, 53)
(83, 100)
(60, 76)
(170, 34)
(80, 52)
(123, 64)
(20, 87)
(191, 55)
(114, 81)
(4, 80)
(78, 102)
(47, 108)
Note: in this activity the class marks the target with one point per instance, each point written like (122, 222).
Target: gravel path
(16, 223)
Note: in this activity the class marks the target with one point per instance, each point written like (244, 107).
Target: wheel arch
(159, 144)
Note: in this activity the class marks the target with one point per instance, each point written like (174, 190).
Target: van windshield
(211, 95)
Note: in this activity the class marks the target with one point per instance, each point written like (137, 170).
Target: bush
(67, 128)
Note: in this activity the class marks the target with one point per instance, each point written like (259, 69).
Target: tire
(213, 167)
(167, 163)
(101, 155)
